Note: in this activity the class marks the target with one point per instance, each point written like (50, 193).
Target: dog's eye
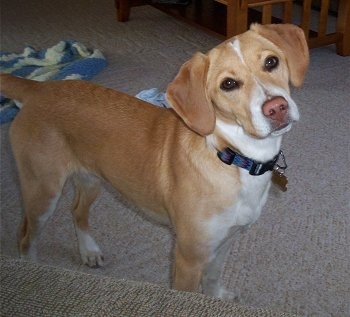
(271, 63)
(229, 84)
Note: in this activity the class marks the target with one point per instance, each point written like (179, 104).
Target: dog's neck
(234, 137)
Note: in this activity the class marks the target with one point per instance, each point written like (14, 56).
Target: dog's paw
(93, 259)
(30, 254)
(90, 252)
(221, 292)
(225, 294)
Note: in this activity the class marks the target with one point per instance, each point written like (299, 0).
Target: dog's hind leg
(42, 170)
(87, 188)
(39, 201)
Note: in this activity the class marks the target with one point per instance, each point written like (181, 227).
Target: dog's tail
(13, 87)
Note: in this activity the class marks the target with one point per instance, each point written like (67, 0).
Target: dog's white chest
(252, 198)
(246, 209)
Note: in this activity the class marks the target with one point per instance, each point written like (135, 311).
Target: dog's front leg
(211, 284)
(188, 269)
(199, 258)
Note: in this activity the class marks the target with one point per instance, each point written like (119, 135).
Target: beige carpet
(29, 289)
(295, 258)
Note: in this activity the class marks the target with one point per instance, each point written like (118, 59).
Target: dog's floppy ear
(291, 40)
(187, 95)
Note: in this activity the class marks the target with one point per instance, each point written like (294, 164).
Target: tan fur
(164, 160)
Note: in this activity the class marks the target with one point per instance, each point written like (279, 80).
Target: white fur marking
(237, 48)
(49, 211)
(244, 211)
(257, 149)
(259, 95)
(89, 250)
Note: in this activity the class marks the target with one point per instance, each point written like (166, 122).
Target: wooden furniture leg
(123, 10)
(237, 20)
(237, 13)
(237, 17)
(343, 28)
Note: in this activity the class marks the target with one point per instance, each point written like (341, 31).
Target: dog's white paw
(30, 252)
(93, 259)
(90, 252)
(223, 293)
(216, 290)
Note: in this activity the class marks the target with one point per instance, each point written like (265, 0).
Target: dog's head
(243, 81)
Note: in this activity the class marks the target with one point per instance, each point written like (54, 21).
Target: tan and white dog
(165, 160)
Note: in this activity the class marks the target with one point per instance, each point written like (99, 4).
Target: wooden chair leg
(288, 12)
(266, 14)
(343, 27)
(123, 10)
(237, 17)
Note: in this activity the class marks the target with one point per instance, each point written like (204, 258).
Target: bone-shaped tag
(280, 180)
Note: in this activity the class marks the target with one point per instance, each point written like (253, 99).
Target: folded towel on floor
(154, 97)
(65, 60)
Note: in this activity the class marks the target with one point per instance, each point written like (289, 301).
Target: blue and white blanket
(65, 60)
(154, 96)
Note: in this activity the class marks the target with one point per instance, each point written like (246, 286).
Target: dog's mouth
(282, 128)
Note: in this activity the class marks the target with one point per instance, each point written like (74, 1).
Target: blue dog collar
(255, 168)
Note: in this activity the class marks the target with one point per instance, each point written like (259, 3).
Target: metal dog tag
(280, 180)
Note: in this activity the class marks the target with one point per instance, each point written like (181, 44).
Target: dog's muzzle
(276, 110)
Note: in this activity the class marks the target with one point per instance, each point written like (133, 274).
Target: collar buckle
(280, 169)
